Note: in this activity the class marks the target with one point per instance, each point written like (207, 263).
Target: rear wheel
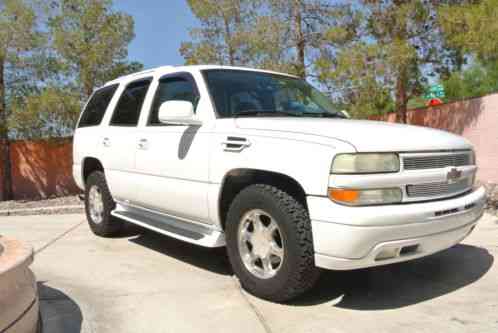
(270, 244)
(99, 205)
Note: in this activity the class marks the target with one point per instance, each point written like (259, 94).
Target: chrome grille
(430, 190)
(436, 161)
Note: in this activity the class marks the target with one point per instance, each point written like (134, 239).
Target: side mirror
(178, 113)
(346, 114)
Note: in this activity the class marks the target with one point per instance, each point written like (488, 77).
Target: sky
(160, 27)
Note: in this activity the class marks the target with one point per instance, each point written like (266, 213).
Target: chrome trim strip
(190, 232)
(156, 212)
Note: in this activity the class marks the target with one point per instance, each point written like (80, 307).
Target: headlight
(365, 197)
(365, 163)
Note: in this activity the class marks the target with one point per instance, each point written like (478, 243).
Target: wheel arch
(89, 165)
(236, 180)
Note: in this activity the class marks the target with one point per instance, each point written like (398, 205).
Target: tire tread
(110, 226)
(305, 275)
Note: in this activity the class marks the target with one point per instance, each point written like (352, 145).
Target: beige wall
(475, 119)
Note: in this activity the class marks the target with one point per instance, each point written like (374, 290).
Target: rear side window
(96, 106)
(173, 88)
(127, 111)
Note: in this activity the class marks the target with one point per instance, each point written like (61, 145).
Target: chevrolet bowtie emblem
(453, 175)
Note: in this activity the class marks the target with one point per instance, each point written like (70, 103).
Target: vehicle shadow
(129, 230)
(211, 259)
(59, 313)
(403, 284)
(376, 288)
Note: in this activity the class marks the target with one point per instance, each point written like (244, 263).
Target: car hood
(373, 136)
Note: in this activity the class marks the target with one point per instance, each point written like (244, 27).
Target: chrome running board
(192, 232)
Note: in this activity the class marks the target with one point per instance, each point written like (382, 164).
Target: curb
(43, 210)
(14, 254)
(18, 288)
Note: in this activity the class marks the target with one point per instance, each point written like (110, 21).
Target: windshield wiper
(324, 114)
(273, 113)
(268, 113)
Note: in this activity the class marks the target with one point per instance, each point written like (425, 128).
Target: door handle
(106, 142)
(143, 144)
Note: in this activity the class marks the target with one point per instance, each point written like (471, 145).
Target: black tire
(298, 272)
(109, 226)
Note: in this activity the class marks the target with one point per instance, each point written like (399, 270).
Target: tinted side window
(130, 103)
(96, 106)
(172, 88)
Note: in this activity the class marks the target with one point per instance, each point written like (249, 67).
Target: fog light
(387, 254)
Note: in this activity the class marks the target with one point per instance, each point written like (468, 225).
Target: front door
(172, 160)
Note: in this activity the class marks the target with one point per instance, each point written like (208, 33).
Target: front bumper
(347, 238)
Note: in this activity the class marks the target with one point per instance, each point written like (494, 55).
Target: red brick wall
(475, 119)
(42, 169)
(1, 172)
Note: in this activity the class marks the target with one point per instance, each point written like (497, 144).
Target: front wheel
(270, 243)
(99, 205)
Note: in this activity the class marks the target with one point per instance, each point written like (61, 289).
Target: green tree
(356, 80)
(119, 69)
(373, 55)
(472, 27)
(52, 112)
(18, 37)
(91, 40)
(303, 24)
(221, 38)
(475, 81)
(272, 34)
(396, 44)
(267, 45)
(84, 50)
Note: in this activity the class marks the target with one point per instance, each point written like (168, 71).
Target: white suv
(262, 163)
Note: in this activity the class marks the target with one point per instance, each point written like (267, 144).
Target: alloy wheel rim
(96, 204)
(261, 244)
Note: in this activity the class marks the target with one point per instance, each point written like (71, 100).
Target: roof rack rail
(151, 70)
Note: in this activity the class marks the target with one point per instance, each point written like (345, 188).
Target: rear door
(120, 139)
(86, 137)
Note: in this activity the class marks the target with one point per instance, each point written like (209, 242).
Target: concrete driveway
(144, 282)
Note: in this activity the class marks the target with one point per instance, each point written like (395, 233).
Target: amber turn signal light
(365, 197)
(343, 195)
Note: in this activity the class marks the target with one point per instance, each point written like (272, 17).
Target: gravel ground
(492, 202)
(61, 205)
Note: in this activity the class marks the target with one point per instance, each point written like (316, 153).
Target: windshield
(256, 94)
